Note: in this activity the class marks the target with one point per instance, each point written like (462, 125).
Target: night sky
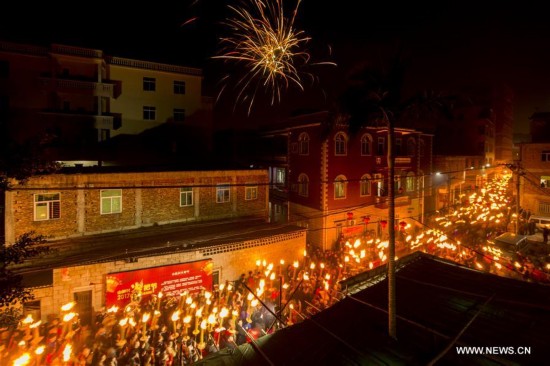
(461, 44)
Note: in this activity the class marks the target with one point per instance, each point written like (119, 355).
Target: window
(366, 145)
(149, 113)
(380, 147)
(545, 181)
(280, 176)
(303, 185)
(46, 206)
(421, 147)
(186, 196)
(545, 156)
(365, 185)
(111, 201)
(303, 142)
(410, 182)
(544, 207)
(397, 184)
(149, 84)
(251, 193)
(340, 187)
(294, 147)
(411, 145)
(340, 144)
(179, 115)
(179, 87)
(379, 185)
(398, 147)
(222, 193)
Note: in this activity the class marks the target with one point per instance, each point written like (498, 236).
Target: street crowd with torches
(180, 330)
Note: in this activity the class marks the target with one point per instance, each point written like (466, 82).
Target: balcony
(383, 160)
(109, 89)
(400, 200)
(111, 121)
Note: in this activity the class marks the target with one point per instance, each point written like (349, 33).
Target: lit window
(365, 185)
(340, 144)
(111, 201)
(251, 193)
(179, 115)
(379, 185)
(303, 141)
(303, 185)
(366, 145)
(222, 193)
(545, 181)
(149, 113)
(410, 182)
(179, 87)
(340, 187)
(186, 196)
(149, 84)
(46, 206)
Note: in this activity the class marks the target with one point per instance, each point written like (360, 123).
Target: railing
(77, 51)
(103, 122)
(153, 66)
(398, 160)
(399, 200)
(98, 89)
(23, 48)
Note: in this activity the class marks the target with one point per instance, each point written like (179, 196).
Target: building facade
(70, 205)
(535, 178)
(81, 97)
(338, 181)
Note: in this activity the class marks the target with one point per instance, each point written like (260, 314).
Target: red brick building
(338, 179)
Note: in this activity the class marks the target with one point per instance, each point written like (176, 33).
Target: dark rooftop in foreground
(147, 241)
(436, 301)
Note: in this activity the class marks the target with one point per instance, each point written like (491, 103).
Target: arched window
(303, 142)
(365, 185)
(366, 145)
(411, 146)
(340, 144)
(409, 185)
(340, 187)
(303, 185)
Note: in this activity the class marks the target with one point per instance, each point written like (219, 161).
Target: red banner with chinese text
(125, 287)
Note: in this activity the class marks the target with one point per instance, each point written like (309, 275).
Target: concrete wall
(230, 260)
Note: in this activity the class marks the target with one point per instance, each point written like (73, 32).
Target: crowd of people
(181, 330)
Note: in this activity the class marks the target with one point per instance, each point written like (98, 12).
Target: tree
(375, 97)
(12, 292)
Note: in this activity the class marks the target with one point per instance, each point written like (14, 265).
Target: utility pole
(517, 168)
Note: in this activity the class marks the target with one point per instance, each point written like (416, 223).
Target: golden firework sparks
(264, 39)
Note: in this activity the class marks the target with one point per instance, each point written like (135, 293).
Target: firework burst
(266, 42)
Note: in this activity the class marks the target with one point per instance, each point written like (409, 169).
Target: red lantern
(402, 224)
(350, 215)
(366, 220)
(383, 223)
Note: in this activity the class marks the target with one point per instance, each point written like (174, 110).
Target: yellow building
(81, 97)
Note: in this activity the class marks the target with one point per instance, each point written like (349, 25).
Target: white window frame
(340, 144)
(186, 196)
(545, 155)
(149, 84)
(110, 198)
(365, 186)
(381, 144)
(303, 185)
(149, 113)
(340, 181)
(380, 189)
(250, 193)
(223, 193)
(179, 87)
(410, 179)
(50, 206)
(303, 143)
(366, 145)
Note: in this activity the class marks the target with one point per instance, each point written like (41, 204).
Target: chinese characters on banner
(125, 287)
